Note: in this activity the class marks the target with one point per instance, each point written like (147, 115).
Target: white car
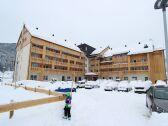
(88, 86)
(124, 86)
(110, 86)
(141, 86)
(81, 84)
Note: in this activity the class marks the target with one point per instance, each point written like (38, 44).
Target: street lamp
(162, 4)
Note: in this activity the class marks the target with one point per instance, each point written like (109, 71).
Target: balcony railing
(138, 63)
(37, 50)
(37, 60)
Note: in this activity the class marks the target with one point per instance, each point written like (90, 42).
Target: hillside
(7, 56)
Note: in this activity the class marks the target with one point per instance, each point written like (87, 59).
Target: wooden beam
(30, 103)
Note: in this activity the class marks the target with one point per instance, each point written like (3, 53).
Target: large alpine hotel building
(41, 58)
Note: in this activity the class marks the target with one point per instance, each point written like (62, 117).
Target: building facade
(40, 59)
(124, 66)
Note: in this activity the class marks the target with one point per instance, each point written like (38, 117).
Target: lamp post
(162, 4)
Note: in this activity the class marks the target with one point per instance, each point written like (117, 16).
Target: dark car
(157, 99)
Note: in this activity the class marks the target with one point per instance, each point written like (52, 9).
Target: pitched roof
(38, 33)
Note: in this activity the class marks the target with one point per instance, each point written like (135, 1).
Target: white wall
(21, 64)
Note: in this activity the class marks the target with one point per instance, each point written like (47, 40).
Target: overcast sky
(96, 22)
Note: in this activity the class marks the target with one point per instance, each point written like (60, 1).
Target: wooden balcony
(53, 54)
(139, 64)
(138, 72)
(36, 69)
(47, 61)
(37, 50)
(119, 65)
(61, 63)
(36, 60)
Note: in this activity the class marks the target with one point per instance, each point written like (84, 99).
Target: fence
(30, 103)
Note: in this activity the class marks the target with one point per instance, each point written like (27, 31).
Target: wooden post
(11, 113)
(49, 92)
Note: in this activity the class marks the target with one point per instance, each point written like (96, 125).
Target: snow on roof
(130, 50)
(90, 73)
(106, 61)
(108, 53)
(145, 50)
(98, 50)
(37, 32)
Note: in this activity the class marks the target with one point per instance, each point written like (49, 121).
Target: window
(47, 66)
(79, 79)
(71, 62)
(68, 78)
(134, 78)
(45, 77)
(61, 68)
(35, 65)
(111, 78)
(36, 55)
(33, 77)
(37, 46)
(125, 78)
(146, 78)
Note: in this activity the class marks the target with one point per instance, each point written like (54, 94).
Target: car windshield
(161, 93)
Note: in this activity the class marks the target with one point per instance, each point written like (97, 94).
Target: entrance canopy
(91, 76)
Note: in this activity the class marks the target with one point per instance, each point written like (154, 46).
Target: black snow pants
(67, 112)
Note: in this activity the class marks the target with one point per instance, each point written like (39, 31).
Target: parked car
(157, 99)
(96, 86)
(80, 84)
(88, 86)
(141, 86)
(114, 85)
(65, 89)
(124, 86)
(110, 86)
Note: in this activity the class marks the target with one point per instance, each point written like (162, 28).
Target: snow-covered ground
(8, 93)
(90, 108)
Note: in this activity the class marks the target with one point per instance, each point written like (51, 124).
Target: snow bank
(8, 93)
(158, 119)
(160, 82)
(141, 83)
(47, 85)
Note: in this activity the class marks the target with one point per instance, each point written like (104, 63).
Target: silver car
(157, 99)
